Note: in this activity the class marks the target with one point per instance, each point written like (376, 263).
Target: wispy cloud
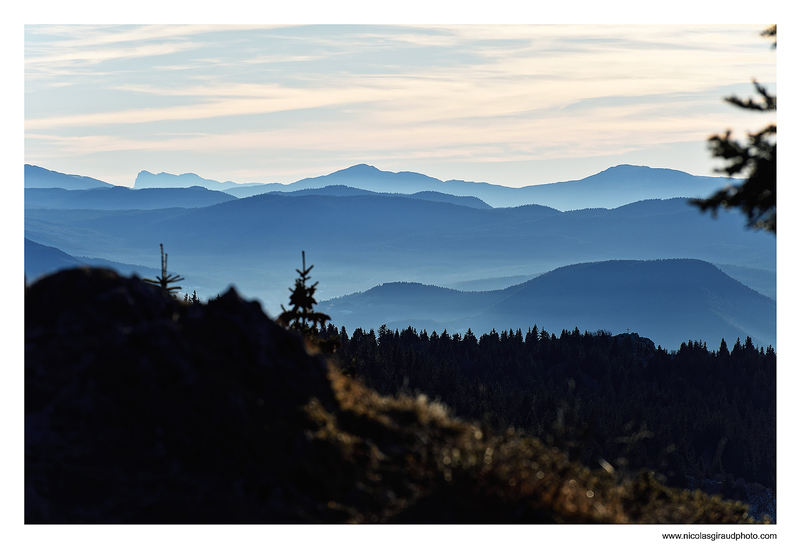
(589, 132)
(479, 91)
(94, 56)
(86, 36)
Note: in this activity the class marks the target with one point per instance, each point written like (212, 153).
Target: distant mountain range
(611, 188)
(360, 241)
(360, 238)
(433, 196)
(147, 180)
(668, 301)
(123, 198)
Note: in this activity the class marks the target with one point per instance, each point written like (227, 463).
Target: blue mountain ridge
(669, 301)
(360, 241)
(363, 238)
(123, 198)
(610, 188)
(36, 177)
(433, 196)
(42, 260)
(146, 180)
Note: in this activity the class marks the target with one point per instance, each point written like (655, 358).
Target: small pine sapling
(302, 316)
(165, 279)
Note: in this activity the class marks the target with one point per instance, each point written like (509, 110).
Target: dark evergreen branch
(165, 279)
(755, 159)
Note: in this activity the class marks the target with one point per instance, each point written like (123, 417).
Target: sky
(507, 104)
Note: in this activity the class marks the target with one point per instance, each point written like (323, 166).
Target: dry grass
(413, 461)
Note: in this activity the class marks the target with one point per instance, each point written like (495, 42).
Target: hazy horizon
(512, 105)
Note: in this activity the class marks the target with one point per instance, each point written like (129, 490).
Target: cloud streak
(480, 92)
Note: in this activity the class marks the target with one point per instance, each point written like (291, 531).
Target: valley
(361, 241)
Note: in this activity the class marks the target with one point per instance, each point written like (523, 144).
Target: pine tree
(302, 316)
(165, 279)
(723, 349)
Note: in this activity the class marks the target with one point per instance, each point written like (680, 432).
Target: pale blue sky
(506, 104)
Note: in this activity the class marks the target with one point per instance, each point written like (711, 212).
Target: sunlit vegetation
(617, 400)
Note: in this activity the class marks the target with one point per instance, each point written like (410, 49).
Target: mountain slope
(361, 241)
(399, 302)
(621, 185)
(42, 260)
(668, 301)
(244, 190)
(36, 177)
(163, 180)
(433, 196)
(761, 280)
(611, 188)
(123, 198)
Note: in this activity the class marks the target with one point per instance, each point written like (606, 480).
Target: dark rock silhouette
(142, 409)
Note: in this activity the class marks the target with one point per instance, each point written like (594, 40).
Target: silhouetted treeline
(605, 399)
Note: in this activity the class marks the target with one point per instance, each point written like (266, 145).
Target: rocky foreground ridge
(142, 409)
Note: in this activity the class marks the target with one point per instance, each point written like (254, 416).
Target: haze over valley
(365, 229)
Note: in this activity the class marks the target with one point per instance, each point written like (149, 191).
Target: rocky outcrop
(142, 409)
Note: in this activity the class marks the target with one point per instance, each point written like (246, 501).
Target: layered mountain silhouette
(668, 301)
(611, 188)
(433, 196)
(360, 241)
(359, 238)
(147, 180)
(620, 251)
(123, 198)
